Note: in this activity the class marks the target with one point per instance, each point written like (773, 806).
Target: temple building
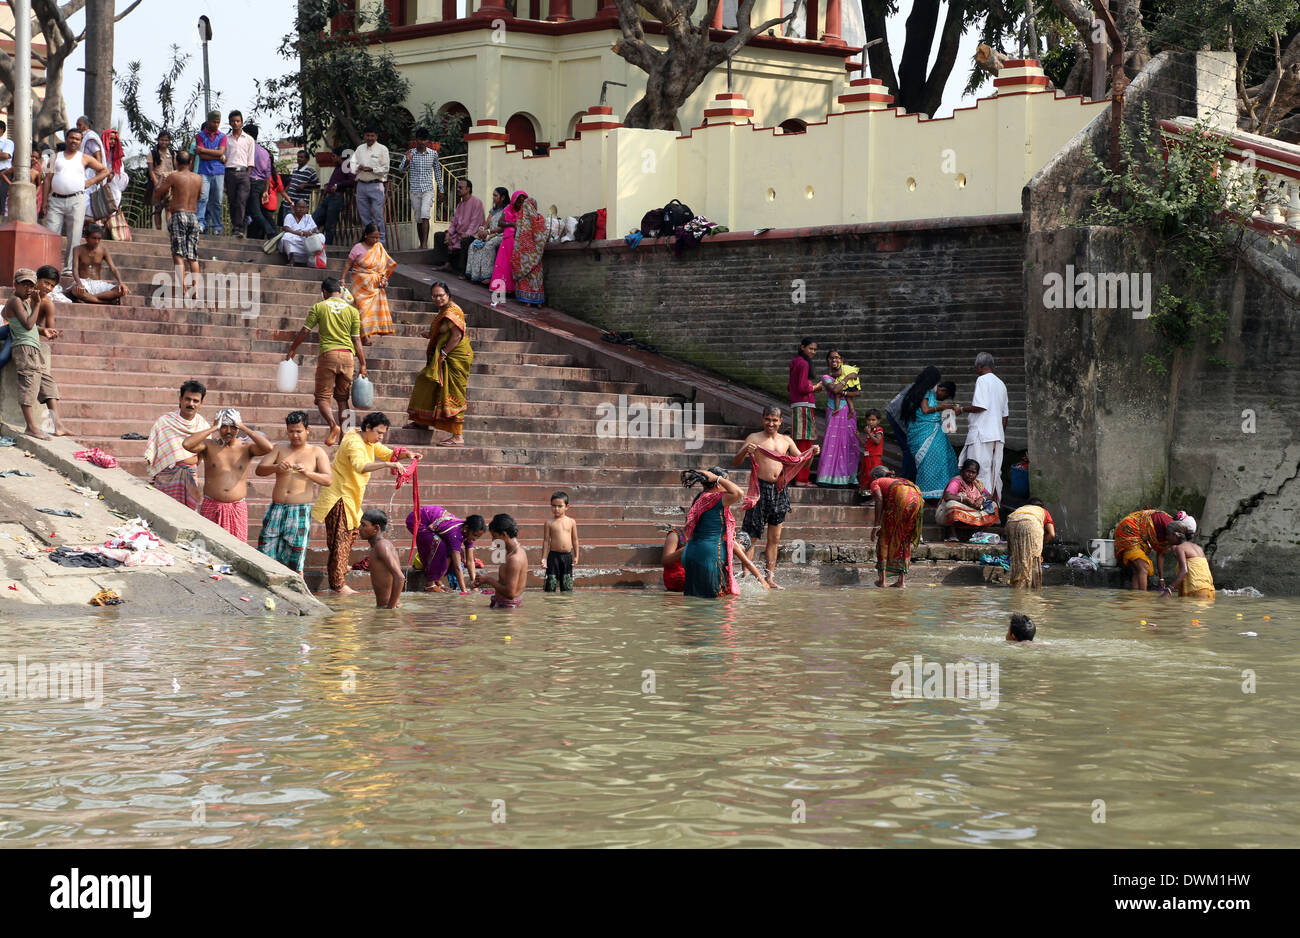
(534, 73)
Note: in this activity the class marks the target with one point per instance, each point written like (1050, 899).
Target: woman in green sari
(438, 398)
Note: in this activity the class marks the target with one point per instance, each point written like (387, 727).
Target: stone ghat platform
(539, 382)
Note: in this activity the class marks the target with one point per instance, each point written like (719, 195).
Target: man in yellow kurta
(338, 507)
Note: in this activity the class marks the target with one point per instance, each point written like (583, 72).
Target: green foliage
(1189, 205)
(1196, 24)
(181, 122)
(340, 87)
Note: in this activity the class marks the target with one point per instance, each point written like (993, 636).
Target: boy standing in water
(386, 574)
(560, 545)
(298, 467)
(513, 574)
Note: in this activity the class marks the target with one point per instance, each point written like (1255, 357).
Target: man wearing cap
(35, 384)
(370, 165)
(210, 147)
(226, 463)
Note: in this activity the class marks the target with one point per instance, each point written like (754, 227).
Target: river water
(627, 719)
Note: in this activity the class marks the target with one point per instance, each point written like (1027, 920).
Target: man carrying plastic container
(340, 339)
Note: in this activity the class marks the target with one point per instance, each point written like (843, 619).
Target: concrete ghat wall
(894, 298)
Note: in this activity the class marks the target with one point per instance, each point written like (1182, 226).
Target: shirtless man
(225, 469)
(773, 499)
(386, 576)
(88, 262)
(298, 467)
(184, 186)
(513, 574)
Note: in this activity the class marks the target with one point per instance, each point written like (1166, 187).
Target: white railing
(1274, 167)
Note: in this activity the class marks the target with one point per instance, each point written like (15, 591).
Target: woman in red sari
(526, 256)
(898, 523)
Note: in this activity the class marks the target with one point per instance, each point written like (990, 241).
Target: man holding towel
(173, 470)
(226, 463)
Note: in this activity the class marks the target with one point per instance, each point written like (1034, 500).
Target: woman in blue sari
(710, 532)
(936, 462)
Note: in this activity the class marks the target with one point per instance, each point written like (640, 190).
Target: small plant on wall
(1185, 204)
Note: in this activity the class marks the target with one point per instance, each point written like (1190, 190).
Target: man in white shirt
(370, 164)
(6, 162)
(987, 434)
(65, 191)
(240, 153)
(92, 146)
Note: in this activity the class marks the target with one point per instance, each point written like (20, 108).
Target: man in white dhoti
(297, 225)
(986, 437)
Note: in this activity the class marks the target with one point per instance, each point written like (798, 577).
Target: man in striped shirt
(426, 173)
(301, 181)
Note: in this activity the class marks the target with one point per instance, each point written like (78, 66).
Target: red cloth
(791, 467)
(675, 578)
(805, 474)
(232, 516)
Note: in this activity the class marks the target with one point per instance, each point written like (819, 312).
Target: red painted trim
(1291, 160)
(601, 109)
(1021, 63)
(729, 96)
(470, 137)
(1022, 80)
(866, 96)
(729, 112)
(482, 21)
(863, 82)
(484, 123)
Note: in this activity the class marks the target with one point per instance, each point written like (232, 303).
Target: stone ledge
(168, 518)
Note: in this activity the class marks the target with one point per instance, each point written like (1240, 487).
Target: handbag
(118, 229)
(270, 245)
(102, 203)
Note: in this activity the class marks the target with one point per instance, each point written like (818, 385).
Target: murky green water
(405, 728)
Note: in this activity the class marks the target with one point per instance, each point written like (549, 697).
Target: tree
(339, 87)
(50, 115)
(673, 75)
(181, 122)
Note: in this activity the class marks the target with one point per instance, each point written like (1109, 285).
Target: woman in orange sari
(438, 398)
(966, 504)
(1137, 536)
(370, 266)
(898, 523)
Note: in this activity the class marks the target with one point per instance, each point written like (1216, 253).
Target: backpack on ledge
(664, 221)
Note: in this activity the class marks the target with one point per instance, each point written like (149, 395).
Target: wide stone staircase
(531, 429)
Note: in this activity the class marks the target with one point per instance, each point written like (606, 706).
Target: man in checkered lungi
(803, 403)
(172, 469)
(298, 467)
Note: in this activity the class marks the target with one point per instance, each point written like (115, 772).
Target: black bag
(652, 223)
(675, 215)
(586, 228)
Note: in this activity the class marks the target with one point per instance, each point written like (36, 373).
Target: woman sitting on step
(966, 503)
(298, 224)
(483, 252)
(371, 266)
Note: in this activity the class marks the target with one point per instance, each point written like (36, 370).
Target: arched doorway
(793, 126)
(520, 131)
(574, 121)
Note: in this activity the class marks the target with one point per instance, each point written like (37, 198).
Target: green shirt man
(339, 325)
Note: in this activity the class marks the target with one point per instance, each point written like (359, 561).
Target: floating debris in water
(1249, 634)
(1249, 591)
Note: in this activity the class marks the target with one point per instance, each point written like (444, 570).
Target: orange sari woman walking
(370, 266)
(438, 399)
(898, 523)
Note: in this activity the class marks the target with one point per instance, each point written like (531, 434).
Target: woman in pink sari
(502, 278)
(841, 451)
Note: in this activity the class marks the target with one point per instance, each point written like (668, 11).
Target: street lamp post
(22, 194)
(205, 36)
